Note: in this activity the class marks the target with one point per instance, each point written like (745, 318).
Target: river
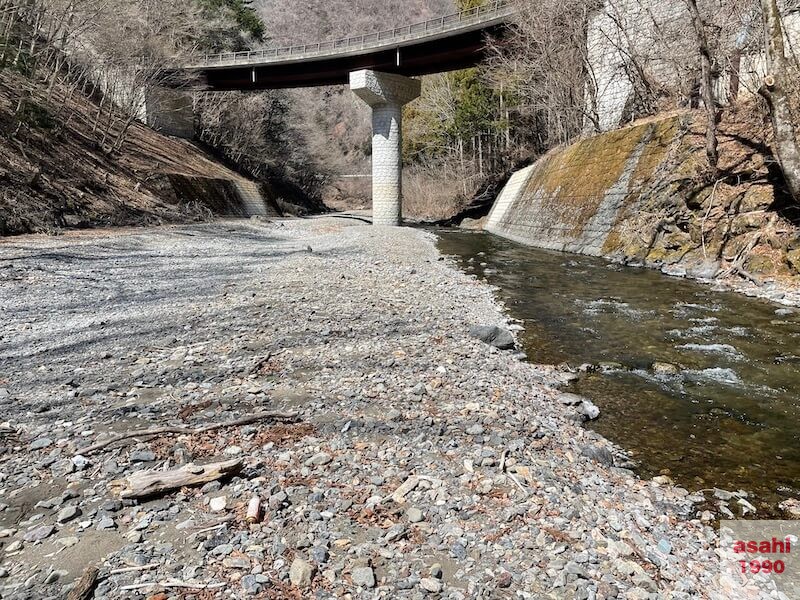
(695, 383)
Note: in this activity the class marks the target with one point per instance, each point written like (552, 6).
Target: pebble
(68, 513)
(139, 456)
(415, 515)
(218, 504)
(38, 534)
(320, 459)
(429, 584)
(41, 443)
(301, 573)
(363, 577)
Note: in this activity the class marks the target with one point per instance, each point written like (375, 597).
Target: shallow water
(728, 418)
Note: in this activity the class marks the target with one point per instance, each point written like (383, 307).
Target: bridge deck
(446, 43)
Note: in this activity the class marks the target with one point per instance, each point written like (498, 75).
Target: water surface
(729, 414)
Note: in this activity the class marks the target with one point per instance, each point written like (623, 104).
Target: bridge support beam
(386, 93)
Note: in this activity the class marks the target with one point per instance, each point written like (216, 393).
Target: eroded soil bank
(364, 332)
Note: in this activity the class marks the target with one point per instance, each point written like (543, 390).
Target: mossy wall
(642, 195)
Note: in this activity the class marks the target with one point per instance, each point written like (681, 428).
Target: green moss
(573, 181)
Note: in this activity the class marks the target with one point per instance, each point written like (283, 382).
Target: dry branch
(148, 483)
(263, 416)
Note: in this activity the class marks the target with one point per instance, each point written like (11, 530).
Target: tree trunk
(706, 87)
(777, 95)
(736, 64)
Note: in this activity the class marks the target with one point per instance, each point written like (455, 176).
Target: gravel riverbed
(422, 463)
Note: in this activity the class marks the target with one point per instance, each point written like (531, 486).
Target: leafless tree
(777, 90)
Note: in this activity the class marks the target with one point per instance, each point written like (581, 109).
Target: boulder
(494, 336)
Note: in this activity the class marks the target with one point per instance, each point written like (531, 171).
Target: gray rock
(599, 454)
(395, 532)
(41, 443)
(494, 336)
(363, 577)
(588, 410)
(142, 456)
(68, 513)
(458, 551)
(250, 585)
(320, 459)
(301, 573)
(476, 429)
(39, 534)
(320, 554)
(106, 523)
(414, 515)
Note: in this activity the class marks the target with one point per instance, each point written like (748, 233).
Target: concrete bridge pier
(386, 93)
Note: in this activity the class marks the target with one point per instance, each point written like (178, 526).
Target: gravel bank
(365, 333)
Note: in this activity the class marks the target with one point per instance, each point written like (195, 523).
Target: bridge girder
(447, 54)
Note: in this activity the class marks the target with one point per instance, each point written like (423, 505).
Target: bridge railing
(487, 12)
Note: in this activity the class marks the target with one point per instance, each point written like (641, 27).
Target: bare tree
(706, 86)
(777, 92)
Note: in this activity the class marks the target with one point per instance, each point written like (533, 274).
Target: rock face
(494, 336)
(619, 194)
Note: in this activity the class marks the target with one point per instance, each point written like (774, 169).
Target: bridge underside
(437, 56)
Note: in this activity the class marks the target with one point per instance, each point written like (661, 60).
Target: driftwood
(276, 416)
(151, 483)
(84, 586)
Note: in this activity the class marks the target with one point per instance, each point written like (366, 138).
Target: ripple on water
(692, 331)
(725, 349)
(611, 306)
(714, 375)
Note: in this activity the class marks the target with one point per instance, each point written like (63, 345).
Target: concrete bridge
(379, 68)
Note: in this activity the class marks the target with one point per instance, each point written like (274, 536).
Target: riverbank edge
(779, 293)
(561, 378)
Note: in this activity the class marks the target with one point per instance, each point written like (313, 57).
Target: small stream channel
(726, 416)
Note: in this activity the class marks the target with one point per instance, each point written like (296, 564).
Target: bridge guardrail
(478, 14)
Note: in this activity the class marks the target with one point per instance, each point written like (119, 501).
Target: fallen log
(263, 416)
(144, 484)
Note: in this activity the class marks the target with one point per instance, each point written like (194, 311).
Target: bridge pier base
(386, 93)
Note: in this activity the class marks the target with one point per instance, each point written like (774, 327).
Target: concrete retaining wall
(571, 198)
(634, 195)
(223, 197)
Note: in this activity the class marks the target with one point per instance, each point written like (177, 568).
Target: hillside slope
(54, 175)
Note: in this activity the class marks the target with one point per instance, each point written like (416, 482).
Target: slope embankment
(55, 173)
(642, 195)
